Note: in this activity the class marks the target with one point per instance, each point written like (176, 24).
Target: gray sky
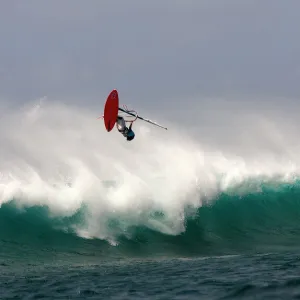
(158, 51)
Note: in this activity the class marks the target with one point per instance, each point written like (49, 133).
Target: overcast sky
(156, 50)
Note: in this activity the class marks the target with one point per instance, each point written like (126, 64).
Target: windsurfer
(126, 131)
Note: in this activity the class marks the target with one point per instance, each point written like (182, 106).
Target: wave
(69, 188)
(264, 220)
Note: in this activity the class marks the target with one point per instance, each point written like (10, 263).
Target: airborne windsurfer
(122, 128)
(111, 116)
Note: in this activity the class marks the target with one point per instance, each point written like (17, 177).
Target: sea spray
(63, 174)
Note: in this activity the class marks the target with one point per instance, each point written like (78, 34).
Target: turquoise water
(243, 244)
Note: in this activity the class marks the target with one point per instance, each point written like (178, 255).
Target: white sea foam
(61, 157)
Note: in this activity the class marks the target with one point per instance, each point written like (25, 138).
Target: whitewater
(209, 208)
(57, 161)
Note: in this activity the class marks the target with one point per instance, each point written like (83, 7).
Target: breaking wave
(67, 187)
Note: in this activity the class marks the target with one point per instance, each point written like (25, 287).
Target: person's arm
(130, 125)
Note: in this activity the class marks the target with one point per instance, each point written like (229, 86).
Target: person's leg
(121, 124)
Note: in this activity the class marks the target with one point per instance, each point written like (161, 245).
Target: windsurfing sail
(138, 117)
(111, 109)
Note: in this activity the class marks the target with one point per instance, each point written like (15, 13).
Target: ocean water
(87, 215)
